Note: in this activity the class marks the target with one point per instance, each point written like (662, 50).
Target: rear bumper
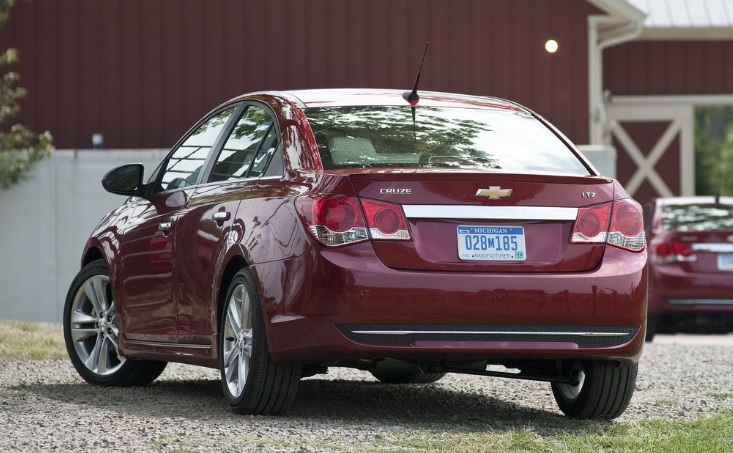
(344, 304)
(673, 291)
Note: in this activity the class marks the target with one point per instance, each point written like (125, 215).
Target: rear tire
(604, 390)
(651, 329)
(415, 377)
(91, 332)
(252, 382)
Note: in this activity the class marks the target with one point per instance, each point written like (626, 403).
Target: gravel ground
(45, 406)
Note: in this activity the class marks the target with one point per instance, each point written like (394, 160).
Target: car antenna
(411, 96)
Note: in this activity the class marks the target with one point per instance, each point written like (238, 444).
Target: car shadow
(319, 402)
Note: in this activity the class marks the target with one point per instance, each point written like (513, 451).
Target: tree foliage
(20, 147)
(714, 151)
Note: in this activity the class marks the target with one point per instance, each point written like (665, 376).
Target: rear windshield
(697, 217)
(487, 139)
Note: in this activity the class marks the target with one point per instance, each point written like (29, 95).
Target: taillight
(333, 219)
(385, 220)
(673, 252)
(619, 224)
(591, 225)
(338, 219)
(627, 226)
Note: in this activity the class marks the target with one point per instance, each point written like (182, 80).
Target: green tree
(20, 147)
(712, 138)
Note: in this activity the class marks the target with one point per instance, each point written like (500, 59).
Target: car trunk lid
(479, 222)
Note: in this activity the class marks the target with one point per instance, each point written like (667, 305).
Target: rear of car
(458, 234)
(691, 264)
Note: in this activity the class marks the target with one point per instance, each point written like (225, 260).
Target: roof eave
(620, 10)
(686, 34)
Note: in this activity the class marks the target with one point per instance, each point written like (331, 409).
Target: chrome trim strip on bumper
(487, 332)
(700, 301)
(713, 248)
(490, 212)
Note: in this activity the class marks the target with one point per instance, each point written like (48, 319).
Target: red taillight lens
(627, 218)
(619, 224)
(385, 220)
(591, 225)
(337, 213)
(673, 252)
(333, 219)
(627, 226)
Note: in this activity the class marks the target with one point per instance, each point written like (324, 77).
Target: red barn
(140, 72)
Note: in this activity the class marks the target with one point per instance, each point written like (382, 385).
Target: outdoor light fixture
(97, 140)
(551, 46)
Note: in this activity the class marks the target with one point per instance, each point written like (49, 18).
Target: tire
(91, 333)
(604, 391)
(414, 377)
(651, 329)
(252, 382)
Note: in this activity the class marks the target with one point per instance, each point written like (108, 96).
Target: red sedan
(690, 264)
(289, 232)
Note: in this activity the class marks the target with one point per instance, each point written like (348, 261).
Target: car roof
(344, 97)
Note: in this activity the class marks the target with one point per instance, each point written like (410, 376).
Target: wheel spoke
(102, 362)
(93, 357)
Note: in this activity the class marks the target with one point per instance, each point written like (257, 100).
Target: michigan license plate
(491, 243)
(725, 262)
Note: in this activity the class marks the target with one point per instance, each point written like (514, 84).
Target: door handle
(222, 216)
(165, 227)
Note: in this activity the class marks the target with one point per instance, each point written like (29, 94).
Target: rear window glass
(487, 139)
(697, 217)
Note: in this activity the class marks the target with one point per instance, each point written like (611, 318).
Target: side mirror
(124, 180)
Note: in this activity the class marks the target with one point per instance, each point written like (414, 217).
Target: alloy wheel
(237, 336)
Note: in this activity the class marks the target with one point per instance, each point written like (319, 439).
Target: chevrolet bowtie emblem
(494, 192)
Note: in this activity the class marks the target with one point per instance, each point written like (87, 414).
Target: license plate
(491, 243)
(725, 262)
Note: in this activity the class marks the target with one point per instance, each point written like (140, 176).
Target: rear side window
(487, 139)
(185, 163)
(697, 217)
(248, 148)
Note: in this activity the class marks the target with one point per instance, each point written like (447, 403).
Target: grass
(31, 341)
(710, 435)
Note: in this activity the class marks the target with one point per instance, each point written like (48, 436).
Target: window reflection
(251, 142)
(184, 165)
(697, 217)
(494, 139)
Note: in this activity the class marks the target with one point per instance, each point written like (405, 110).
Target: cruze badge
(494, 193)
(395, 191)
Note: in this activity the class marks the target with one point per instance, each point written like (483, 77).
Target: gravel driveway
(45, 406)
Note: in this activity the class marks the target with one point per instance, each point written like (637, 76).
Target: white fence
(45, 222)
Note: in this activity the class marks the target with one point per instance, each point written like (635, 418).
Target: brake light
(673, 252)
(591, 225)
(385, 220)
(627, 226)
(337, 219)
(619, 224)
(333, 219)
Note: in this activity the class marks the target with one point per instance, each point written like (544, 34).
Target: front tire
(603, 392)
(252, 382)
(91, 333)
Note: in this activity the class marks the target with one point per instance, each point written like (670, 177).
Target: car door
(208, 227)
(148, 311)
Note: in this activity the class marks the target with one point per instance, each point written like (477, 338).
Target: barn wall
(669, 68)
(141, 72)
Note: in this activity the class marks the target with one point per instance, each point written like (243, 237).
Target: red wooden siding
(667, 68)
(141, 71)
